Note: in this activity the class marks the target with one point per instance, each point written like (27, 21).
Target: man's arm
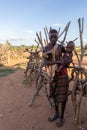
(62, 62)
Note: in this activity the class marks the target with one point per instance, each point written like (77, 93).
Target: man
(59, 84)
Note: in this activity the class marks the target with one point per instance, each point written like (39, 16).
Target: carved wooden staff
(52, 67)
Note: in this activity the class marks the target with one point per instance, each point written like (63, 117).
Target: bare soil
(15, 113)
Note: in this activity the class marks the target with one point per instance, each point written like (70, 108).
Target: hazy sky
(21, 19)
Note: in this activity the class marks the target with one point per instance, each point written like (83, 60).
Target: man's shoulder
(60, 46)
(48, 45)
(46, 48)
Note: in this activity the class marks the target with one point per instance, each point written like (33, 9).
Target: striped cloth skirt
(59, 88)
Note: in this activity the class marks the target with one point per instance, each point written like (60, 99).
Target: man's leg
(63, 106)
(60, 120)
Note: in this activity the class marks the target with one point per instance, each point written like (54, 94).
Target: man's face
(53, 39)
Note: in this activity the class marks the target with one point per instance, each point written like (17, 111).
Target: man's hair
(53, 32)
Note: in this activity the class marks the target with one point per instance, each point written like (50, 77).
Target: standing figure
(59, 84)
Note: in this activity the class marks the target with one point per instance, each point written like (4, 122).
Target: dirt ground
(15, 114)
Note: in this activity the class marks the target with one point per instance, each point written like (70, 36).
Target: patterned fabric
(62, 88)
(59, 87)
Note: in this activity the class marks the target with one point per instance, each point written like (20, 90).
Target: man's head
(53, 36)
